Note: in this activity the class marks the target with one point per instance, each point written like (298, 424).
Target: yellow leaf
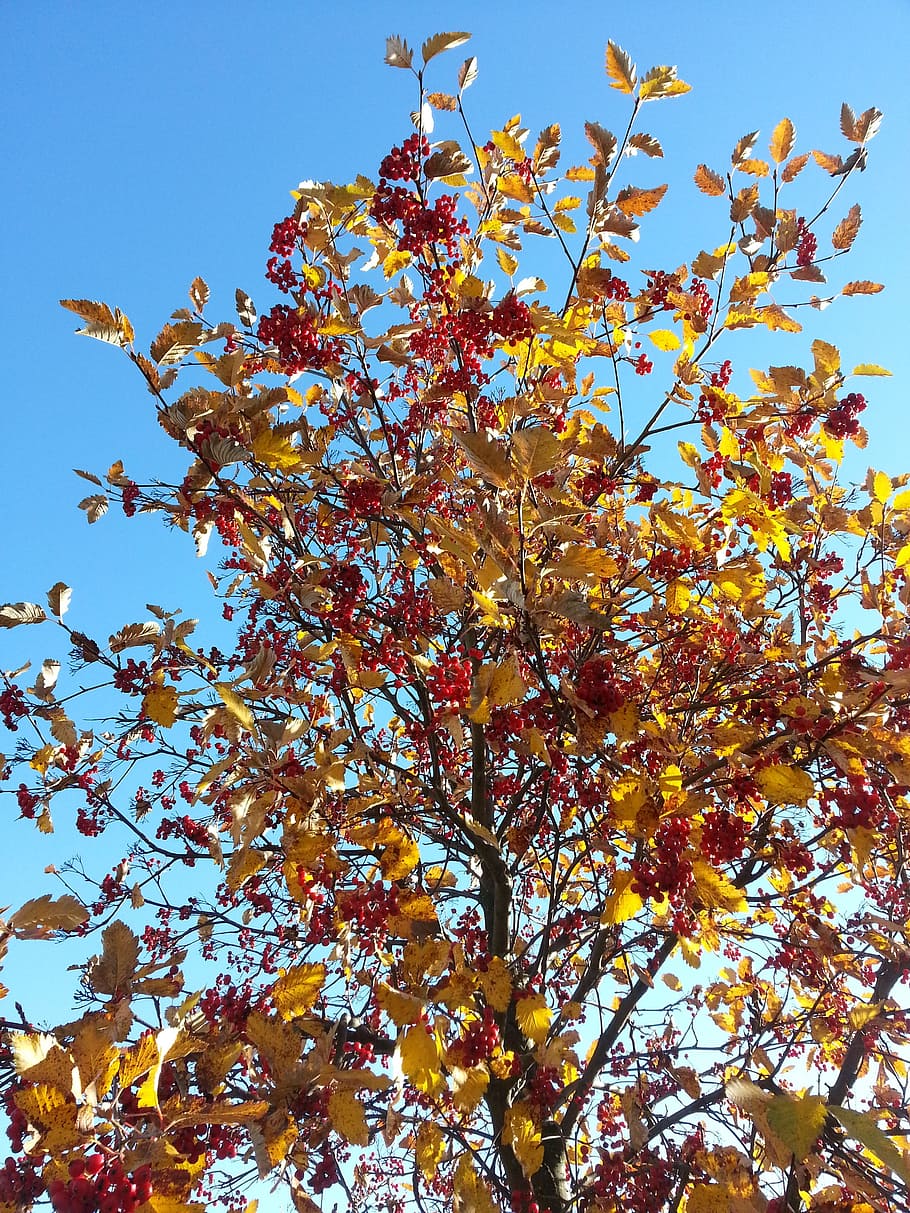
(160, 705)
(535, 450)
(421, 1059)
(244, 863)
(429, 1148)
(275, 450)
(522, 1134)
(395, 261)
(903, 557)
(665, 339)
(867, 368)
(41, 916)
(279, 1043)
(507, 263)
(400, 856)
(235, 705)
(468, 1086)
(507, 685)
(862, 1127)
(147, 1095)
(533, 1017)
(715, 890)
(508, 145)
(402, 1009)
(678, 597)
(881, 487)
(785, 785)
(470, 1193)
(863, 1013)
(622, 903)
(797, 1121)
(348, 1118)
(496, 983)
(296, 991)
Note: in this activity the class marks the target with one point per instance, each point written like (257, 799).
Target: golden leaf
(279, 1043)
(402, 1009)
(715, 890)
(243, 863)
(660, 82)
(485, 455)
(496, 983)
(535, 451)
(522, 1134)
(508, 145)
(782, 139)
(235, 705)
(665, 339)
(620, 69)
(785, 785)
(276, 450)
(533, 1017)
(429, 1148)
(862, 1127)
(470, 1193)
(295, 992)
(160, 705)
(622, 903)
(678, 597)
(868, 368)
(862, 287)
(147, 1095)
(420, 1057)
(348, 1117)
(797, 1122)
(468, 1086)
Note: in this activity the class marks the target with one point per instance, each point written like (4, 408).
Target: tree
(536, 838)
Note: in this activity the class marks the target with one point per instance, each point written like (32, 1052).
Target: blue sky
(146, 144)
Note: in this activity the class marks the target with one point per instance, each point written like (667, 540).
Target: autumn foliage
(530, 832)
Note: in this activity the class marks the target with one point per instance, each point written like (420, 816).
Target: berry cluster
(780, 491)
(669, 873)
(421, 224)
(13, 706)
(841, 421)
(807, 245)
(512, 319)
(597, 684)
(300, 347)
(449, 682)
(856, 805)
(99, 1186)
(723, 836)
(211, 1141)
(128, 498)
(285, 235)
(477, 1042)
(643, 365)
(20, 1184)
(403, 163)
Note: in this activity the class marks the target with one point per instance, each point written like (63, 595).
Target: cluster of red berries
(403, 163)
(13, 706)
(723, 836)
(421, 224)
(710, 406)
(780, 491)
(132, 677)
(285, 235)
(129, 495)
(643, 365)
(841, 421)
(698, 288)
(668, 873)
(856, 804)
(807, 245)
(184, 827)
(523, 1202)
(368, 906)
(594, 483)
(99, 1186)
(449, 682)
(325, 1172)
(348, 592)
(477, 1042)
(300, 347)
(215, 1141)
(597, 684)
(20, 1183)
(363, 496)
(27, 801)
(512, 319)
(615, 288)
(638, 1186)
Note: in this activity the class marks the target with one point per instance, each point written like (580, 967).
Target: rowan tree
(533, 835)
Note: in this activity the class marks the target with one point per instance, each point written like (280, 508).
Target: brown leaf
(862, 287)
(709, 182)
(846, 231)
(111, 972)
(467, 73)
(603, 142)
(397, 52)
(647, 144)
(620, 69)
(441, 42)
(782, 139)
(42, 916)
(14, 613)
(743, 149)
(795, 166)
(95, 506)
(634, 201)
(831, 164)
(199, 293)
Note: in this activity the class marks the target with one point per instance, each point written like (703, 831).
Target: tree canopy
(529, 832)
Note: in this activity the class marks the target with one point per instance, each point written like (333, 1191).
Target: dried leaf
(12, 614)
(441, 42)
(397, 52)
(710, 182)
(620, 69)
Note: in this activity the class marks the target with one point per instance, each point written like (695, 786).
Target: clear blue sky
(145, 144)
